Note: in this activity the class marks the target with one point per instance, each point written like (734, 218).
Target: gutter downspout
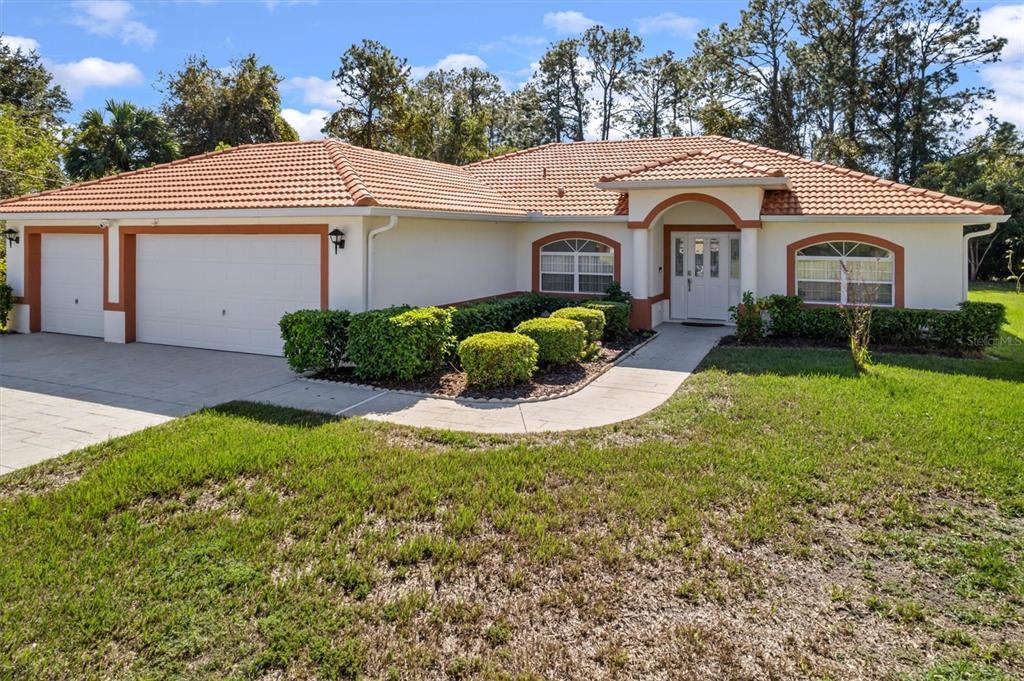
(367, 293)
(967, 237)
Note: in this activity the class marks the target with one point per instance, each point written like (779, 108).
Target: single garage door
(224, 292)
(71, 289)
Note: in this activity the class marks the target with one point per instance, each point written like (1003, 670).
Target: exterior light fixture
(12, 236)
(337, 238)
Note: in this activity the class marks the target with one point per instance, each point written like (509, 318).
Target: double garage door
(223, 292)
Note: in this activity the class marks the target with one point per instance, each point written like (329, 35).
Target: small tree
(856, 315)
(1016, 271)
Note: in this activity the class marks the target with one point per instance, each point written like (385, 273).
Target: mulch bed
(548, 381)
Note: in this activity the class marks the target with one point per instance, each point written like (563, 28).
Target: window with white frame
(845, 272)
(576, 266)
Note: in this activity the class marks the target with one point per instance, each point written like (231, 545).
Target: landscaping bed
(547, 382)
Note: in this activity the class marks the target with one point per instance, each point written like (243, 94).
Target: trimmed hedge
(593, 320)
(502, 314)
(560, 341)
(498, 358)
(315, 340)
(974, 325)
(399, 342)
(616, 318)
(6, 304)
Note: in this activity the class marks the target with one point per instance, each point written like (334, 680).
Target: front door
(700, 275)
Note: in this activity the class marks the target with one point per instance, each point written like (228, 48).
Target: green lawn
(778, 518)
(1012, 341)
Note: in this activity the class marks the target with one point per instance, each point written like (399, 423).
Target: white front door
(71, 289)
(701, 271)
(223, 292)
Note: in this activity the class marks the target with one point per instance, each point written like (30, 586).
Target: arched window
(846, 272)
(576, 266)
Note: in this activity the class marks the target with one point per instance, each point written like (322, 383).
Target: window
(576, 266)
(734, 258)
(845, 272)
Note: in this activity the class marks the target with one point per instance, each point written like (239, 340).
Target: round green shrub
(560, 341)
(593, 320)
(616, 317)
(498, 358)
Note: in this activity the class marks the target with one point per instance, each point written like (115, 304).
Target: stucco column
(748, 260)
(640, 287)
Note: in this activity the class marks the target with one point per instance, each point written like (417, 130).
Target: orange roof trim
(558, 179)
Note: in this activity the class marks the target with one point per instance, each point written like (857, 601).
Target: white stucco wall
(933, 256)
(16, 260)
(430, 262)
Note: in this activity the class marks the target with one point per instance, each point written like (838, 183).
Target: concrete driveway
(59, 393)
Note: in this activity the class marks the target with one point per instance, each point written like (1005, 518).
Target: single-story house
(210, 251)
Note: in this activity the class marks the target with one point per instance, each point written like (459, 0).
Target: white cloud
(512, 43)
(112, 18)
(1006, 77)
(315, 91)
(273, 4)
(668, 22)
(306, 123)
(76, 76)
(567, 22)
(453, 62)
(17, 42)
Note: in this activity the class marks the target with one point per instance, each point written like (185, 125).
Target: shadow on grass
(275, 415)
(811, 361)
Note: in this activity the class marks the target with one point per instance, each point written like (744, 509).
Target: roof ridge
(650, 165)
(985, 208)
(357, 189)
(511, 154)
(128, 173)
(674, 158)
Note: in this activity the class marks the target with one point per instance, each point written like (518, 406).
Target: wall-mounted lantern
(12, 236)
(337, 238)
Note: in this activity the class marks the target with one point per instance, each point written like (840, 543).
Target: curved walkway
(59, 393)
(630, 389)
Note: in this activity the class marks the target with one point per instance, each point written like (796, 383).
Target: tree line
(872, 85)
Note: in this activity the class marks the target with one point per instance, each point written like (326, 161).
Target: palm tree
(134, 138)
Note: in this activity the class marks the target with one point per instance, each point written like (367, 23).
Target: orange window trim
(694, 196)
(897, 251)
(558, 236)
(666, 251)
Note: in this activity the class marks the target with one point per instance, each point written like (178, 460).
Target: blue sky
(100, 49)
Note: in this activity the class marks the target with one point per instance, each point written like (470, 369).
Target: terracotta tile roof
(694, 165)
(324, 173)
(556, 179)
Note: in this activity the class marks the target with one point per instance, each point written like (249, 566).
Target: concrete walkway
(59, 393)
(630, 389)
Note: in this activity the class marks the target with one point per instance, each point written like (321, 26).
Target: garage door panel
(71, 286)
(224, 292)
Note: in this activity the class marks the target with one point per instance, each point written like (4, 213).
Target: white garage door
(72, 284)
(223, 292)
